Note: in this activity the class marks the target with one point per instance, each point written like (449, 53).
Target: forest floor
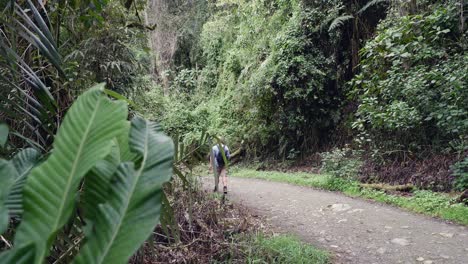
(355, 230)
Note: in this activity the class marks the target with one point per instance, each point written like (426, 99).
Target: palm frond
(38, 35)
(26, 31)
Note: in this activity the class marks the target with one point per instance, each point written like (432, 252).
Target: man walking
(219, 158)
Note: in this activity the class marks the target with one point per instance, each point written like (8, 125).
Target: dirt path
(358, 231)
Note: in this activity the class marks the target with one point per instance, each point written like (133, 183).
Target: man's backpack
(219, 156)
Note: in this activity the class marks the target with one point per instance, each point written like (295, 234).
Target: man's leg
(215, 172)
(223, 174)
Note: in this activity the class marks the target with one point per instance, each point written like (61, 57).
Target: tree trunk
(413, 7)
(408, 7)
(355, 45)
(163, 39)
(462, 18)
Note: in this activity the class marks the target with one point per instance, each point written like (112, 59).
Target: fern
(370, 4)
(339, 21)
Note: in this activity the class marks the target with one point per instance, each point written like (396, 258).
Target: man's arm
(211, 161)
(228, 154)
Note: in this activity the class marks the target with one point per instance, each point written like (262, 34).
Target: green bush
(342, 163)
(460, 172)
(185, 82)
(412, 86)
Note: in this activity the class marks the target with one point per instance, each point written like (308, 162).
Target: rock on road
(355, 230)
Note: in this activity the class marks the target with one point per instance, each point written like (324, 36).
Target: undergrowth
(425, 202)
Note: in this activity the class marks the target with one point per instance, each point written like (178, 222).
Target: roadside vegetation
(281, 249)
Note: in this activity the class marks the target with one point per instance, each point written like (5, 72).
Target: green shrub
(460, 172)
(412, 87)
(185, 82)
(342, 163)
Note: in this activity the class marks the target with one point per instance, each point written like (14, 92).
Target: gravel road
(356, 230)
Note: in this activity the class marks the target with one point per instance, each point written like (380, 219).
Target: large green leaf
(3, 134)
(7, 178)
(19, 255)
(124, 146)
(134, 204)
(97, 183)
(23, 162)
(84, 138)
(12, 178)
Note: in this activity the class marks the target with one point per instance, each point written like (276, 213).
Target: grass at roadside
(425, 202)
(281, 249)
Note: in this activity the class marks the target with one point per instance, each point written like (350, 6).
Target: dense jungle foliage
(286, 79)
(79, 182)
(377, 88)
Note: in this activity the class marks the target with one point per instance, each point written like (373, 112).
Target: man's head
(220, 139)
